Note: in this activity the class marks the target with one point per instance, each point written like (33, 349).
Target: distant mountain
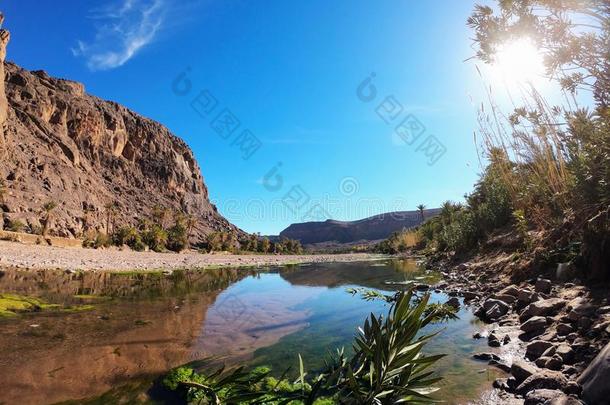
(368, 229)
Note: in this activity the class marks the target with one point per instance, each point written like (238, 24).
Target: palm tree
(190, 221)
(421, 208)
(47, 209)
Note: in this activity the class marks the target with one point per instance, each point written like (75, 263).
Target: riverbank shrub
(460, 227)
(177, 238)
(398, 242)
(388, 366)
(548, 166)
(129, 236)
(96, 240)
(15, 225)
(155, 237)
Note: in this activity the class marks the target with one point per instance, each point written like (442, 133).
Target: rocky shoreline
(558, 333)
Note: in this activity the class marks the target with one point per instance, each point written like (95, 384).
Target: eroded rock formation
(63, 145)
(4, 38)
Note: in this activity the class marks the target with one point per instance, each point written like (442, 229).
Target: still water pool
(114, 334)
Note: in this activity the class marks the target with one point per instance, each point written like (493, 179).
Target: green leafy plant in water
(387, 367)
(442, 312)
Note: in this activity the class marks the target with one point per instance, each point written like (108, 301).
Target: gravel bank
(49, 257)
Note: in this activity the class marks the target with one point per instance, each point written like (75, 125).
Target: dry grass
(529, 149)
(408, 238)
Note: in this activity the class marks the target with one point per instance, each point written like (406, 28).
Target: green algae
(12, 305)
(77, 308)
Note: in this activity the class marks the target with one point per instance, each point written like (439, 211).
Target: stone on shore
(543, 286)
(546, 379)
(536, 324)
(541, 396)
(453, 302)
(521, 370)
(536, 348)
(548, 307)
(486, 356)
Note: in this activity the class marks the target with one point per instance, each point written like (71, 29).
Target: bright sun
(519, 62)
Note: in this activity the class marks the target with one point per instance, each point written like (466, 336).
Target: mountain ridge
(376, 227)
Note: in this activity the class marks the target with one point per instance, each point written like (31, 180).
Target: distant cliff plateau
(368, 229)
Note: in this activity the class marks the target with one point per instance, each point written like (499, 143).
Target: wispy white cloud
(122, 29)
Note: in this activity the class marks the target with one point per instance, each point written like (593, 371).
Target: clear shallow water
(143, 325)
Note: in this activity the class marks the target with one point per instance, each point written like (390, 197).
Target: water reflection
(144, 325)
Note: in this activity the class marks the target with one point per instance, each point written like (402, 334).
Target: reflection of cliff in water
(51, 356)
(370, 275)
(62, 284)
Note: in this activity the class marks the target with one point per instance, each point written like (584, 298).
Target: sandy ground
(49, 257)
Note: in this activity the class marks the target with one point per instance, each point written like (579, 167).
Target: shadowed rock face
(368, 229)
(64, 145)
(4, 38)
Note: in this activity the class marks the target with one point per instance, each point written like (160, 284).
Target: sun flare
(519, 62)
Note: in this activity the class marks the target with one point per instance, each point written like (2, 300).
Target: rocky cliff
(60, 144)
(367, 229)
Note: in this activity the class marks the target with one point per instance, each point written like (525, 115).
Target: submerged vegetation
(12, 305)
(388, 366)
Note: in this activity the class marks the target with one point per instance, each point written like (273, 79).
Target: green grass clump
(12, 304)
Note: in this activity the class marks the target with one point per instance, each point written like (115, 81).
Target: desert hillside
(367, 229)
(63, 145)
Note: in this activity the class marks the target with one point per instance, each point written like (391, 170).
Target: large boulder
(595, 380)
(546, 307)
(579, 308)
(493, 309)
(522, 369)
(526, 297)
(547, 379)
(541, 396)
(536, 324)
(510, 290)
(543, 285)
(564, 400)
(536, 348)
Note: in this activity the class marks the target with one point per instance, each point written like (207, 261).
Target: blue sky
(289, 72)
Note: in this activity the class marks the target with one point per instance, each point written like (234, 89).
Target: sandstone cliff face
(63, 145)
(4, 38)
